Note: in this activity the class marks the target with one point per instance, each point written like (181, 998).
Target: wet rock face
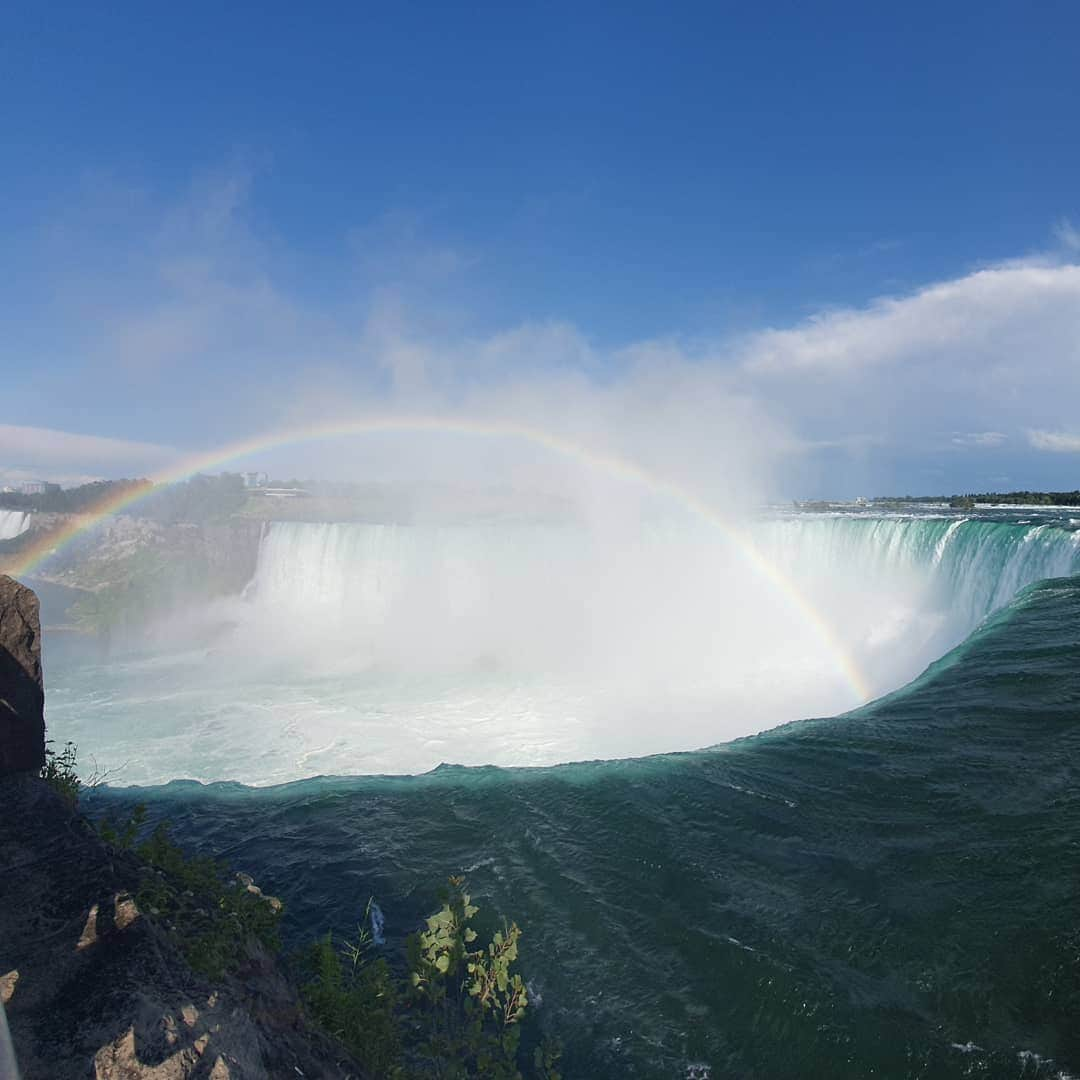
(22, 698)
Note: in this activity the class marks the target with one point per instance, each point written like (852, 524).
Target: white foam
(380, 649)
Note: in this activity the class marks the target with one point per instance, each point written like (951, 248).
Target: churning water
(392, 649)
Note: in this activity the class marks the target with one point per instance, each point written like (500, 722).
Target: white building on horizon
(37, 487)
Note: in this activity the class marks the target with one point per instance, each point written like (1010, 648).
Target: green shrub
(123, 835)
(471, 1004)
(59, 771)
(215, 918)
(457, 1015)
(352, 995)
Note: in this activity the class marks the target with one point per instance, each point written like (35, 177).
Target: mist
(561, 565)
(570, 546)
(506, 629)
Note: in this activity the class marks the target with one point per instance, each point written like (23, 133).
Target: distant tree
(196, 501)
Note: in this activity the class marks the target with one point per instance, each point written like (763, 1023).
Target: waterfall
(460, 593)
(973, 566)
(363, 648)
(13, 522)
(671, 606)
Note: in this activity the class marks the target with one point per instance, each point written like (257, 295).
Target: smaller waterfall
(13, 522)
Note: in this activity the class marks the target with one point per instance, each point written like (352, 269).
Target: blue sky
(360, 199)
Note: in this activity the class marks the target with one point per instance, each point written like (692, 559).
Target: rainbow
(40, 549)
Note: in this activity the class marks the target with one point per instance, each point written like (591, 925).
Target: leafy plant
(59, 771)
(123, 835)
(458, 1014)
(471, 1004)
(352, 995)
(546, 1060)
(475, 1002)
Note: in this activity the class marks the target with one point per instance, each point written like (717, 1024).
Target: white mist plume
(219, 328)
(476, 630)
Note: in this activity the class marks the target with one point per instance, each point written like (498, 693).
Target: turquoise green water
(894, 892)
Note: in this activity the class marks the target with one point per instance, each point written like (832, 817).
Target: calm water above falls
(894, 892)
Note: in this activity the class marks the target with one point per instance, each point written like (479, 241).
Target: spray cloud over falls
(601, 590)
(391, 648)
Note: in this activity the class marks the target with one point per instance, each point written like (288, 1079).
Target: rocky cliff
(22, 697)
(128, 571)
(95, 987)
(222, 555)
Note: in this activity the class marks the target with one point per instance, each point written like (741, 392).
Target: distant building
(255, 479)
(37, 487)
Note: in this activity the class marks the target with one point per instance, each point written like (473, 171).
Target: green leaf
(443, 963)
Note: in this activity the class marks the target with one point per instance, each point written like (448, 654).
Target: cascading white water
(667, 605)
(420, 596)
(380, 648)
(945, 571)
(13, 523)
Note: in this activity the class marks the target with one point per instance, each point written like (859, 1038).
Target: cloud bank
(215, 328)
(1055, 442)
(33, 452)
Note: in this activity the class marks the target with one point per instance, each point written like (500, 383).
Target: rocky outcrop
(130, 572)
(22, 698)
(93, 986)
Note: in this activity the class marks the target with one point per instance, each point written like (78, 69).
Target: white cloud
(972, 363)
(980, 440)
(222, 330)
(1054, 442)
(969, 312)
(32, 451)
(1068, 235)
(14, 477)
